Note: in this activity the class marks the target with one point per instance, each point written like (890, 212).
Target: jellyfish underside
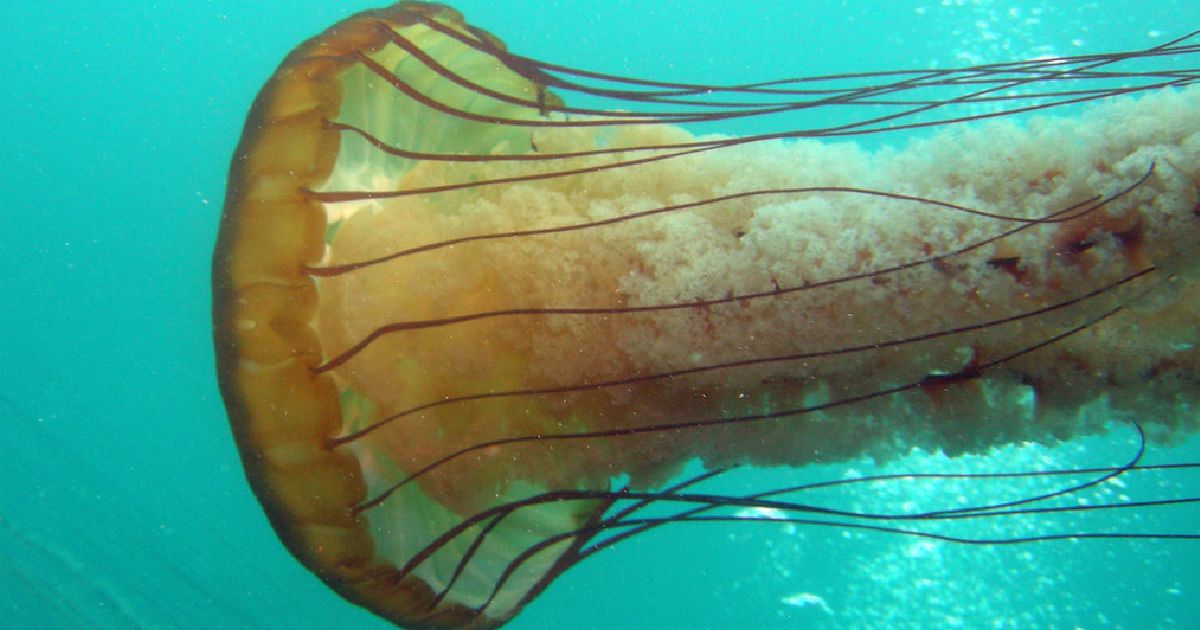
(458, 321)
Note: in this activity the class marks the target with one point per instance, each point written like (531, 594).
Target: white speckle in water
(803, 599)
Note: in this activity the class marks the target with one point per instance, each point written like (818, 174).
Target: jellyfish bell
(463, 328)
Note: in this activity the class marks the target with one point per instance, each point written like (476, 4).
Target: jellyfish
(469, 334)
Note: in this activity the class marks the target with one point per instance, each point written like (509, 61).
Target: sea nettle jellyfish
(469, 334)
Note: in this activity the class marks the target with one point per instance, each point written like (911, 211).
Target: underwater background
(122, 500)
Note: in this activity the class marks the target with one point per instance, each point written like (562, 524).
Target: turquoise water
(122, 502)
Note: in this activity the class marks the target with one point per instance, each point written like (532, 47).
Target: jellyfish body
(457, 320)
